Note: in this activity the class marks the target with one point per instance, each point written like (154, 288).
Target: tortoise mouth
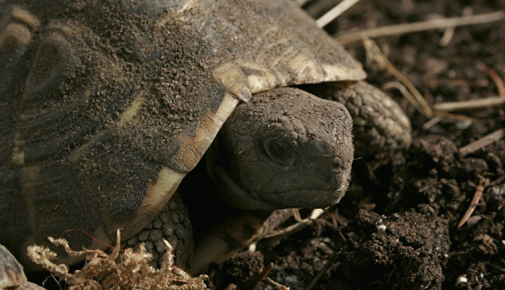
(238, 197)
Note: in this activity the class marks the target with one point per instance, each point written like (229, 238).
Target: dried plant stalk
(104, 271)
(352, 37)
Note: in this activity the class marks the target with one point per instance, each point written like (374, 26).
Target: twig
(373, 50)
(256, 279)
(322, 271)
(482, 142)
(475, 200)
(435, 120)
(296, 214)
(296, 227)
(477, 103)
(436, 112)
(421, 26)
(278, 285)
(496, 79)
(335, 12)
(448, 35)
(407, 88)
(405, 92)
(456, 117)
(459, 82)
(58, 281)
(469, 104)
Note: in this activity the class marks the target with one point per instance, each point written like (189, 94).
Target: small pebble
(381, 228)
(461, 279)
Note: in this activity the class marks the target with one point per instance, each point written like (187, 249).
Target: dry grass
(130, 270)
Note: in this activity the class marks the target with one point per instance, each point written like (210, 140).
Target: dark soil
(397, 227)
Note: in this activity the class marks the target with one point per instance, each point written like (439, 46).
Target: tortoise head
(285, 148)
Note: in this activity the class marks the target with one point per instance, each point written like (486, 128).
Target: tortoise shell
(107, 105)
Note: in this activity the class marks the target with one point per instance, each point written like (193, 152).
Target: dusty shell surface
(110, 104)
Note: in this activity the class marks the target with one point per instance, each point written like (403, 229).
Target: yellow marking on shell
(124, 118)
(193, 148)
(188, 4)
(12, 274)
(78, 153)
(19, 14)
(157, 195)
(178, 13)
(132, 110)
(273, 39)
(336, 70)
(224, 111)
(275, 58)
(287, 54)
(29, 181)
(163, 189)
(163, 21)
(232, 77)
(114, 72)
(110, 70)
(301, 64)
(68, 29)
(18, 155)
(306, 67)
(261, 81)
(14, 34)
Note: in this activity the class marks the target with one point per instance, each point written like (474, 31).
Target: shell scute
(126, 96)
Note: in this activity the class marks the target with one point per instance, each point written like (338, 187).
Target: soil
(397, 227)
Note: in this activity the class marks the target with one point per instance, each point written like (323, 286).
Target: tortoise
(107, 105)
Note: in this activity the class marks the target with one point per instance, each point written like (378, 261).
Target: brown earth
(397, 227)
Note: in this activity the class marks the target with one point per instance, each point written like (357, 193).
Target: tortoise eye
(279, 151)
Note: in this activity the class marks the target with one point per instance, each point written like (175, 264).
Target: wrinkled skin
(285, 148)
